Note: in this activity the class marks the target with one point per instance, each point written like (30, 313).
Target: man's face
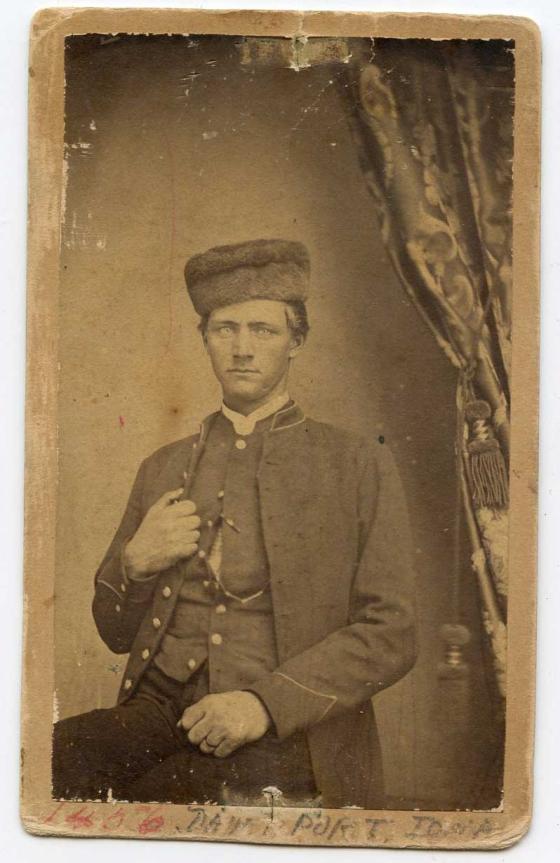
(250, 345)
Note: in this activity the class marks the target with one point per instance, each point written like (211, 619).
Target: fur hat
(258, 269)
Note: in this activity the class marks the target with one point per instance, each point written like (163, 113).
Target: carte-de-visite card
(281, 427)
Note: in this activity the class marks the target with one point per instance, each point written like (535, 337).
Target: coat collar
(245, 425)
(185, 459)
(286, 417)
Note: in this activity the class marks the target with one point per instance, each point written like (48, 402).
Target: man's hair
(296, 316)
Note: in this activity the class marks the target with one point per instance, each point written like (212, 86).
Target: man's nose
(243, 344)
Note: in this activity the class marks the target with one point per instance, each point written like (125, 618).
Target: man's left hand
(222, 722)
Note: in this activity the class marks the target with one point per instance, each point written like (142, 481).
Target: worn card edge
(49, 27)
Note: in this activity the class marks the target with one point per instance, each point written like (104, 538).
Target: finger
(180, 532)
(168, 498)
(206, 748)
(192, 714)
(180, 538)
(200, 730)
(178, 542)
(215, 737)
(184, 508)
(182, 550)
(226, 747)
(180, 523)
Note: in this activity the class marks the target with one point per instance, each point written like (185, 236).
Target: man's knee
(78, 733)
(107, 749)
(78, 749)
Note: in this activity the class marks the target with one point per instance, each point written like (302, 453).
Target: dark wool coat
(337, 539)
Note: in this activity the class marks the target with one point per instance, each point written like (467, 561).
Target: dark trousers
(136, 752)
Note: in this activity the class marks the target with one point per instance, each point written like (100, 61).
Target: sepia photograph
(282, 396)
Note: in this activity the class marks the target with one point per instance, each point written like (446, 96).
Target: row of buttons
(220, 609)
(215, 638)
(166, 591)
(156, 623)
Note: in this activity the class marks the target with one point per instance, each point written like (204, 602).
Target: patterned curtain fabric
(434, 128)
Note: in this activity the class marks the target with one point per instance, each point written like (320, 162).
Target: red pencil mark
(55, 812)
(121, 421)
(151, 823)
(80, 819)
(114, 821)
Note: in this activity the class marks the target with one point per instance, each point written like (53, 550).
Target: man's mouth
(244, 371)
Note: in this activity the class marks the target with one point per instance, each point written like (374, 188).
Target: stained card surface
(281, 427)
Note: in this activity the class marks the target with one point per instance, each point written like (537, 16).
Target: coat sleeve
(119, 604)
(377, 647)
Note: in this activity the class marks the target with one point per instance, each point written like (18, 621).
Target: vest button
(123, 588)
(156, 622)
(117, 608)
(166, 591)
(191, 663)
(221, 494)
(220, 609)
(202, 554)
(145, 653)
(240, 443)
(216, 638)
(128, 683)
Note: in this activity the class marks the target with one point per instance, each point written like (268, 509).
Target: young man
(260, 579)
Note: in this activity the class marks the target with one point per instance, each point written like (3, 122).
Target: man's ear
(203, 330)
(297, 344)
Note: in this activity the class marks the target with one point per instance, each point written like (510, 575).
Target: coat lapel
(310, 543)
(287, 493)
(179, 469)
(196, 453)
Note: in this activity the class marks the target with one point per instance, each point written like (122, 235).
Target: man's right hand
(168, 533)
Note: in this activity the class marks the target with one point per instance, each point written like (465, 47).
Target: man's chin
(244, 391)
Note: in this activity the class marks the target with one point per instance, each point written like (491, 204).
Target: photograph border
(389, 828)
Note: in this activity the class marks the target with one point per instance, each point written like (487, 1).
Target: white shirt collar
(245, 425)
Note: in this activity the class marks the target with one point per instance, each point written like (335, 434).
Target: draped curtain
(433, 126)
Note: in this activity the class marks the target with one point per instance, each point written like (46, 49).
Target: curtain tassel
(487, 467)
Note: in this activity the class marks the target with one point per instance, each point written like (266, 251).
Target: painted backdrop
(174, 144)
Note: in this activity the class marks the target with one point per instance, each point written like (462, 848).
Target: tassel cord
(489, 478)
(457, 562)
(484, 579)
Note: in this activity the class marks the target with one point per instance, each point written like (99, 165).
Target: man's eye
(224, 331)
(263, 332)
